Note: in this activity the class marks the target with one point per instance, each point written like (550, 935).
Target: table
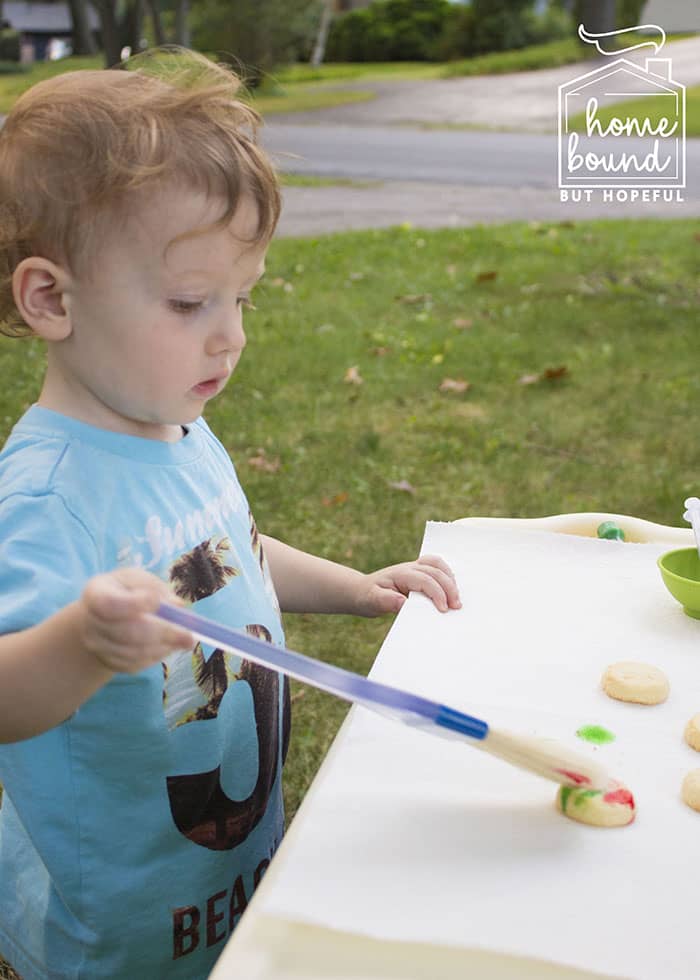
(269, 946)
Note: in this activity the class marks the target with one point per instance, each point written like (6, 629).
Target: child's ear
(38, 287)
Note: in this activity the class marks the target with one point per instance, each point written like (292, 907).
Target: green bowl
(680, 571)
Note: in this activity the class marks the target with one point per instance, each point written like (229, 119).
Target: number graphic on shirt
(200, 808)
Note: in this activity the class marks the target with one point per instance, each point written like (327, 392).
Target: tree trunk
(157, 21)
(111, 37)
(597, 16)
(83, 39)
(324, 27)
(182, 26)
(132, 25)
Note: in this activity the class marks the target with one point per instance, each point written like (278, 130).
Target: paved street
(439, 178)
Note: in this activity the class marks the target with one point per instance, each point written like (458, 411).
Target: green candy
(610, 530)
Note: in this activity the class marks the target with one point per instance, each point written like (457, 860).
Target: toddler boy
(141, 770)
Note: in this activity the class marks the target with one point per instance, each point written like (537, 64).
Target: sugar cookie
(692, 733)
(613, 807)
(640, 683)
(690, 790)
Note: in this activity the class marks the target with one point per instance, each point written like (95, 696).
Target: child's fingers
(169, 635)
(124, 594)
(107, 598)
(431, 587)
(128, 658)
(444, 592)
(436, 562)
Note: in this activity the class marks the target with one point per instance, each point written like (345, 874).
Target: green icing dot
(596, 734)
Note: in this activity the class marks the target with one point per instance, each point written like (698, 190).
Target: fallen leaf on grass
(337, 500)
(352, 376)
(487, 276)
(549, 374)
(458, 385)
(411, 299)
(403, 485)
(553, 374)
(462, 322)
(263, 463)
(381, 351)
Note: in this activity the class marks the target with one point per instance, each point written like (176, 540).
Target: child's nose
(229, 337)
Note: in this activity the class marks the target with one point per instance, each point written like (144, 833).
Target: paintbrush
(543, 756)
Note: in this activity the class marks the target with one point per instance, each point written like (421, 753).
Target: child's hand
(385, 591)
(116, 626)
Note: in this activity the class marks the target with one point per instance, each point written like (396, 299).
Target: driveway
(522, 101)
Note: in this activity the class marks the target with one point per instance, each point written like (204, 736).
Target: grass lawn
(611, 308)
(550, 55)
(309, 180)
(647, 108)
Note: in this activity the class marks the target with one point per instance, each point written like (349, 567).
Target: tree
(122, 26)
(324, 27)
(597, 16)
(182, 24)
(157, 21)
(83, 38)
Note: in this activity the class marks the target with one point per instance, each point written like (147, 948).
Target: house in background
(46, 29)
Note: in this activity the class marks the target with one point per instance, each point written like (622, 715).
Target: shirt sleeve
(46, 557)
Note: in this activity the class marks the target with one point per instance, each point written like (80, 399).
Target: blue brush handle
(410, 708)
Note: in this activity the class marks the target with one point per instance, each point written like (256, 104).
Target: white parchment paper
(407, 837)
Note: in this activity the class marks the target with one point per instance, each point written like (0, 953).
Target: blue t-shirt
(133, 834)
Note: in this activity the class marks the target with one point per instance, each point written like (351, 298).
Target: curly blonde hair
(78, 150)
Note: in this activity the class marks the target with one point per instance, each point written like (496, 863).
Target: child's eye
(185, 305)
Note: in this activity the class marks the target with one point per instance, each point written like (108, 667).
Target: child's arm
(305, 583)
(49, 670)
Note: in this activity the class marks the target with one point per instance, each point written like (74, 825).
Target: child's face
(157, 330)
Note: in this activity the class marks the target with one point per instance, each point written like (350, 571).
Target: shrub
(9, 45)
(488, 26)
(389, 30)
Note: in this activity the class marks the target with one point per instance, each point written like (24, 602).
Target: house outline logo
(656, 160)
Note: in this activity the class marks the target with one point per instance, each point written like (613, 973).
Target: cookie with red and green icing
(611, 807)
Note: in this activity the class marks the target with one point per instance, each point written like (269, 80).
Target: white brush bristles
(547, 758)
